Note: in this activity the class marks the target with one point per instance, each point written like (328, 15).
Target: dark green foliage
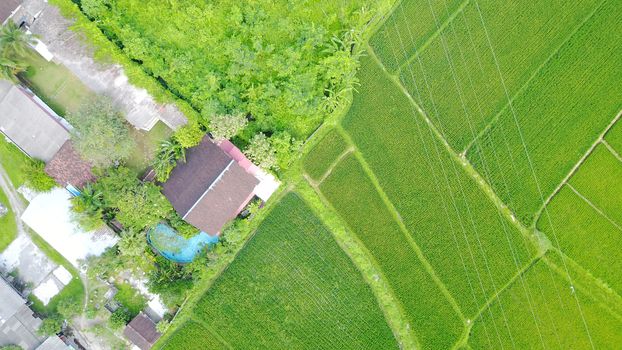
(143, 206)
(120, 318)
(132, 244)
(169, 152)
(189, 135)
(317, 162)
(69, 307)
(181, 226)
(36, 178)
(291, 287)
(275, 60)
(130, 299)
(50, 326)
(170, 280)
(261, 152)
(101, 134)
(87, 208)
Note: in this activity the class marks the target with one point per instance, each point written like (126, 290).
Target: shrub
(50, 326)
(225, 126)
(189, 135)
(119, 318)
(36, 178)
(260, 151)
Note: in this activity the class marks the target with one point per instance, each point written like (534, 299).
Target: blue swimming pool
(175, 247)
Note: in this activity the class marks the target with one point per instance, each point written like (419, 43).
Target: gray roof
(10, 301)
(7, 7)
(18, 325)
(53, 343)
(30, 124)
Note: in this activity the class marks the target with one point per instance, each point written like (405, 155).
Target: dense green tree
(190, 134)
(68, 308)
(101, 134)
(50, 326)
(120, 318)
(225, 126)
(14, 41)
(9, 68)
(132, 244)
(36, 178)
(261, 152)
(143, 206)
(169, 152)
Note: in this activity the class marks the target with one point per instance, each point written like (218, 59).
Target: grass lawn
(55, 84)
(12, 160)
(147, 143)
(130, 298)
(8, 227)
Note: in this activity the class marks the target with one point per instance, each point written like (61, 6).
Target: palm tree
(9, 68)
(14, 41)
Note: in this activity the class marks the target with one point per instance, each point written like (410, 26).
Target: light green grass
(13, 161)
(560, 115)
(130, 298)
(550, 319)
(55, 84)
(193, 336)
(599, 180)
(147, 143)
(614, 137)
(292, 286)
(410, 25)
(72, 291)
(471, 247)
(317, 162)
(8, 226)
(585, 236)
(432, 318)
(457, 82)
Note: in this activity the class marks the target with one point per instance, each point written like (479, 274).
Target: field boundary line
(528, 82)
(214, 333)
(612, 150)
(388, 302)
(574, 169)
(398, 218)
(432, 37)
(509, 283)
(332, 166)
(375, 27)
(581, 285)
(596, 208)
(468, 167)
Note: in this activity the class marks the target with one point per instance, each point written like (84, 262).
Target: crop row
(556, 317)
(192, 335)
(472, 248)
(317, 162)
(292, 286)
(554, 122)
(429, 313)
(614, 137)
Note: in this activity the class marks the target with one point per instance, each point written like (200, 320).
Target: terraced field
(291, 286)
(484, 174)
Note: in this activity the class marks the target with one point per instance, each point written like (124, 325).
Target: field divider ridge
(466, 165)
(614, 308)
(397, 217)
(509, 283)
(575, 168)
(613, 151)
(363, 260)
(597, 209)
(532, 77)
(432, 37)
(332, 166)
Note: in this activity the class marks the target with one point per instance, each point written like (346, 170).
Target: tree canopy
(287, 64)
(101, 134)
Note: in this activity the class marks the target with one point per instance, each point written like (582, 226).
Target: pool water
(175, 247)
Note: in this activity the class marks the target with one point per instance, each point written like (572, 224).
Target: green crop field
(292, 286)
(614, 138)
(193, 336)
(552, 319)
(560, 105)
(585, 217)
(434, 321)
(316, 163)
(455, 78)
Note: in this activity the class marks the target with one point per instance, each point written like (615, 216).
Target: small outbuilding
(142, 332)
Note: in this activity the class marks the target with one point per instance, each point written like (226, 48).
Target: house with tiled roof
(210, 187)
(141, 332)
(68, 168)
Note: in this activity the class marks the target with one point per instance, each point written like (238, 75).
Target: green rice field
(614, 138)
(289, 288)
(327, 151)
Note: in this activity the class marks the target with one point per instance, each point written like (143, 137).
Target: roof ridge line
(209, 188)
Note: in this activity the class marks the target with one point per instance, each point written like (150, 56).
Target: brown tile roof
(141, 331)
(7, 7)
(67, 167)
(209, 188)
